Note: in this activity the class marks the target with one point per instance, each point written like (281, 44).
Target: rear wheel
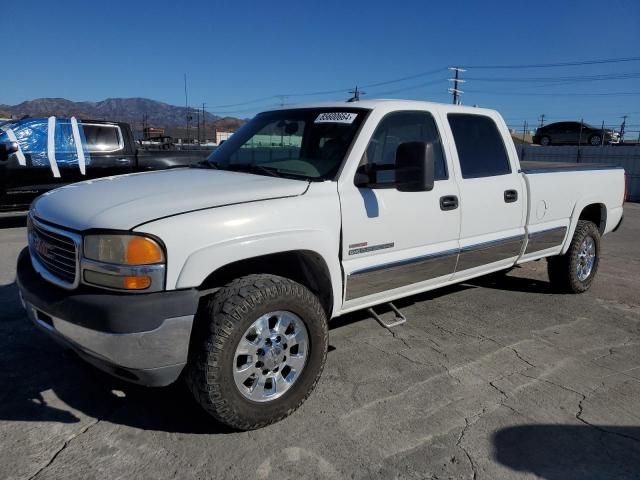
(545, 140)
(260, 353)
(595, 140)
(574, 271)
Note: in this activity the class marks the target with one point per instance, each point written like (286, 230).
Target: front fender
(199, 243)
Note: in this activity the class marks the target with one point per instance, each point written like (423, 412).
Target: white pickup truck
(229, 273)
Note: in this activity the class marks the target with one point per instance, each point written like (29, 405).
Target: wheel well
(303, 266)
(596, 213)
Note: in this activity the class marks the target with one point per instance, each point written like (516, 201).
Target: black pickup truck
(39, 154)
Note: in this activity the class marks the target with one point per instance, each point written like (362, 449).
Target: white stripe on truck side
(78, 141)
(51, 147)
(12, 137)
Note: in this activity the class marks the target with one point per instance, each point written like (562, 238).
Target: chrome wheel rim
(545, 141)
(586, 258)
(270, 356)
(595, 140)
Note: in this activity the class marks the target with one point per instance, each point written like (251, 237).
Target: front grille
(55, 251)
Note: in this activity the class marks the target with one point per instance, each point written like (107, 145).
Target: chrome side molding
(398, 274)
(489, 252)
(545, 239)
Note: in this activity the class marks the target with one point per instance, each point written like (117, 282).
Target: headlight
(123, 262)
(123, 249)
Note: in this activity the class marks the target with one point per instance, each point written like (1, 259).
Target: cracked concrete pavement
(494, 379)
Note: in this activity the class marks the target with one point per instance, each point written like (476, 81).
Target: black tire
(225, 318)
(545, 140)
(595, 140)
(563, 269)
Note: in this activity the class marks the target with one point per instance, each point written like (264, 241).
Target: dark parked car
(39, 154)
(574, 133)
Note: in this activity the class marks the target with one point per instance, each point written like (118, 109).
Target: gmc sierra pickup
(40, 154)
(230, 272)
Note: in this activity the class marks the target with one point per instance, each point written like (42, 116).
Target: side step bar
(398, 318)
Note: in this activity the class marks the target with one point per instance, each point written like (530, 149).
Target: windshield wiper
(204, 164)
(251, 167)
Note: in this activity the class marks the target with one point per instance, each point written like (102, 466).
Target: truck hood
(125, 201)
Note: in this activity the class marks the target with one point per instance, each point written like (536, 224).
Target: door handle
(123, 160)
(510, 196)
(448, 202)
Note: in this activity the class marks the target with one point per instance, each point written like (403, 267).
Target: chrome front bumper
(153, 358)
(142, 338)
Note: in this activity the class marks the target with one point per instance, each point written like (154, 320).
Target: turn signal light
(143, 251)
(136, 283)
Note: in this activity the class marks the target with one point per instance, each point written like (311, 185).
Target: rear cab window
(481, 149)
(102, 138)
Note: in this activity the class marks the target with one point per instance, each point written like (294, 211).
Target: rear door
(393, 242)
(492, 196)
(109, 153)
(572, 133)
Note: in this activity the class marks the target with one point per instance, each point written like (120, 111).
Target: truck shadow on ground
(511, 283)
(401, 303)
(43, 382)
(564, 452)
(51, 384)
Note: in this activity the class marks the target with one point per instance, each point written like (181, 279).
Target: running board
(398, 319)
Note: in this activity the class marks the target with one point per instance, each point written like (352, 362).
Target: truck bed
(548, 167)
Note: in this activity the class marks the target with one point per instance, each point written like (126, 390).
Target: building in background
(221, 136)
(153, 132)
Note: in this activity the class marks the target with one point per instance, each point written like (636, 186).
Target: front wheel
(261, 353)
(574, 271)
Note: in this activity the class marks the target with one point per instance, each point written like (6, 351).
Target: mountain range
(131, 110)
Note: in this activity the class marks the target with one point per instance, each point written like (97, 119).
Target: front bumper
(142, 338)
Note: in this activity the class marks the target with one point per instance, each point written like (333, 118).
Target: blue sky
(234, 52)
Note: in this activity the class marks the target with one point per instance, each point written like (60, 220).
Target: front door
(395, 243)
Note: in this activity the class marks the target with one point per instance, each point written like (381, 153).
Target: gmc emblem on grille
(42, 248)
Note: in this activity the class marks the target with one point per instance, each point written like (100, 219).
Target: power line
(411, 87)
(330, 92)
(559, 94)
(574, 78)
(560, 64)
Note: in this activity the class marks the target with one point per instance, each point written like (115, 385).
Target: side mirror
(415, 167)
(7, 149)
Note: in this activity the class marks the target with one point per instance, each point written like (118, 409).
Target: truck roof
(388, 103)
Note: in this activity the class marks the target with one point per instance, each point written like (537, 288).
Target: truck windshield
(308, 143)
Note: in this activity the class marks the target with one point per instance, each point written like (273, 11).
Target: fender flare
(575, 216)
(201, 263)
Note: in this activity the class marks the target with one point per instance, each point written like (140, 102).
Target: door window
(397, 128)
(481, 151)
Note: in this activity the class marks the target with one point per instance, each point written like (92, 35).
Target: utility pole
(283, 99)
(542, 120)
(580, 137)
(198, 120)
(204, 129)
(455, 91)
(624, 124)
(356, 94)
(186, 106)
(524, 131)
